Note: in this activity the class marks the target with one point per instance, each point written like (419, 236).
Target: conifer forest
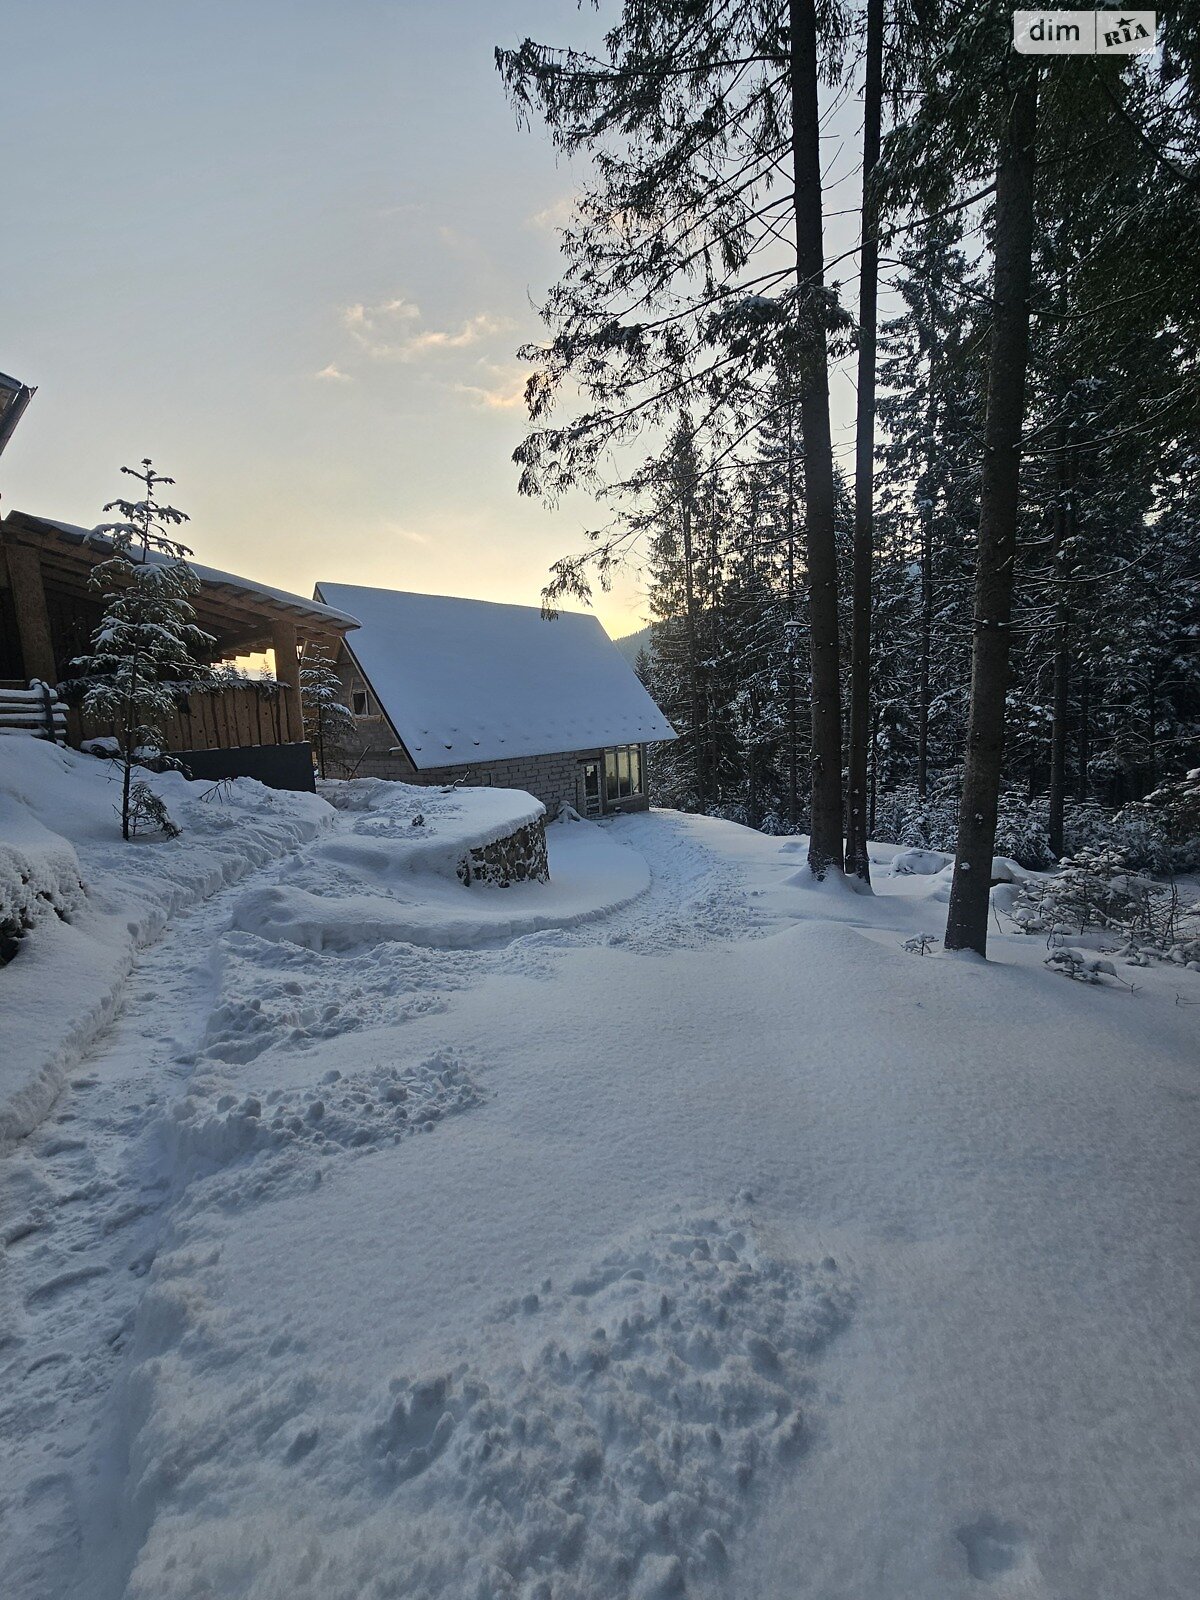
(968, 619)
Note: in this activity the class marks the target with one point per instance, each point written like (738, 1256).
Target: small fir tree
(147, 639)
(328, 722)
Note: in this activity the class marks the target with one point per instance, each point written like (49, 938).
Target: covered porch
(235, 726)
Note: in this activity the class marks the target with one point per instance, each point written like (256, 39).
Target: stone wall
(519, 857)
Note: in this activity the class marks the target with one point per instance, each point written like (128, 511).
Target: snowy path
(711, 1246)
(84, 1200)
(81, 1211)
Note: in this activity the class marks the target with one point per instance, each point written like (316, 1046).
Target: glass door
(591, 789)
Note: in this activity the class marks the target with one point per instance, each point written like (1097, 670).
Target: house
(447, 690)
(235, 727)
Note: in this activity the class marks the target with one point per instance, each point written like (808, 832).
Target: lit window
(622, 773)
(611, 787)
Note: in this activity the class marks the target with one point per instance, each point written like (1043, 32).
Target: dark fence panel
(279, 766)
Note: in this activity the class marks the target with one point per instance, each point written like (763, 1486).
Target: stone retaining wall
(518, 857)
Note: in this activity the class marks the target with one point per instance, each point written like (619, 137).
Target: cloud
(396, 530)
(556, 215)
(493, 399)
(333, 374)
(503, 388)
(391, 331)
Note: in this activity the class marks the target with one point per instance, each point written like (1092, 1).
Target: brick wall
(552, 779)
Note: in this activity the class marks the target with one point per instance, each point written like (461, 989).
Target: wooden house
(49, 611)
(446, 690)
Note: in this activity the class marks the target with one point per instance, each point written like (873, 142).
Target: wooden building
(49, 611)
(445, 690)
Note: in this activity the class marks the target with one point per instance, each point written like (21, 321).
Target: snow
(361, 891)
(312, 609)
(707, 1244)
(929, 863)
(471, 680)
(59, 825)
(39, 870)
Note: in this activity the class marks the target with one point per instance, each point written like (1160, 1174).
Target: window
(359, 703)
(622, 773)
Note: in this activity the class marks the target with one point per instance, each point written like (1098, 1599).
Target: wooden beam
(33, 619)
(242, 620)
(287, 670)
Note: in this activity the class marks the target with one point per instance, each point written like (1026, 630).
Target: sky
(288, 249)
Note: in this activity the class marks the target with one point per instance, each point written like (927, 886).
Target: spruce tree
(967, 921)
(858, 861)
(147, 641)
(670, 297)
(328, 721)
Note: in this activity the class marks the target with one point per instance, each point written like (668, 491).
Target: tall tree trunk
(926, 646)
(713, 631)
(793, 732)
(1058, 729)
(693, 661)
(928, 509)
(967, 923)
(1085, 753)
(825, 837)
(858, 862)
(753, 800)
(1063, 518)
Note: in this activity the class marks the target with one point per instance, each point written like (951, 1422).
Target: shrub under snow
(1098, 890)
(39, 875)
(1163, 830)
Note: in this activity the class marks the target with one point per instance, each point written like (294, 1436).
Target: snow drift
(88, 900)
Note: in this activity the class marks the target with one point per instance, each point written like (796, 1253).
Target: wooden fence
(34, 709)
(226, 718)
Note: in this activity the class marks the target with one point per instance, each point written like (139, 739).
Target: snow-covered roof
(311, 610)
(471, 680)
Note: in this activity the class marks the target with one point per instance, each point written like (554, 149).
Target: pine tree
(328, 722)
(147, 639)
(967, 921)
(858, 861)
(749, 648)
(777, 470)
(825, 842)
(690, 114)
(931, 407)
(643, 665)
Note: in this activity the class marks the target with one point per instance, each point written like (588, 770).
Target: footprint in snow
(992, 1547)
(612, 1447)
(417, 1429)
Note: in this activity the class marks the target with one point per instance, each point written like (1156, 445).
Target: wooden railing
(33, 708)
(225, 718)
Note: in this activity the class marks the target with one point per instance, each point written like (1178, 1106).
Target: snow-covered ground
(665, 1230)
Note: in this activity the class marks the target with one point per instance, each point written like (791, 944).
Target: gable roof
(471, 680)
